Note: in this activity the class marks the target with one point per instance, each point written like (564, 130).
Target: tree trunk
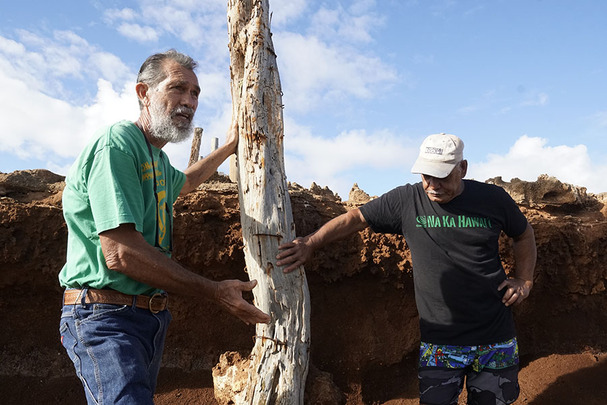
(278, 364)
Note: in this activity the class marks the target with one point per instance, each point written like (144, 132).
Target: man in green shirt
(117, 205)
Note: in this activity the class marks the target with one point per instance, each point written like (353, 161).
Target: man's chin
(182, 129)
(181, 136)
(181, 121)
(436, 197)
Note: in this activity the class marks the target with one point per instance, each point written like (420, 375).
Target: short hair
(152, 71)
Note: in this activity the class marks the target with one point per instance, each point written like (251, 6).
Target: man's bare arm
(296, 253)
(525, 257)
(206, 167)
(127, 252)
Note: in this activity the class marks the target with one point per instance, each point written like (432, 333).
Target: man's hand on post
(229, 294)
(232, 137)
(294, 254)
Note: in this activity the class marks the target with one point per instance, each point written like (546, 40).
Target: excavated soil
(364, 321)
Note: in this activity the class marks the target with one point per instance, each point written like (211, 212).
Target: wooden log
(195, 150)
(278, 364)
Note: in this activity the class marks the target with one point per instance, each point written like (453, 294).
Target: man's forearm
(297, 252)
(127, 252)
(338, 228)
(205, 168)
(525, 255)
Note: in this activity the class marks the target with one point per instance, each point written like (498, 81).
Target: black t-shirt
(455, 254)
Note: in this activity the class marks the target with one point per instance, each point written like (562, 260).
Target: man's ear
(142, 93)
(464, 167)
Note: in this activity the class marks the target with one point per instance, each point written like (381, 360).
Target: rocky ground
(364, 322)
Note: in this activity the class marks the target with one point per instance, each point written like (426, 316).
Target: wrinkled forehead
(177, 74)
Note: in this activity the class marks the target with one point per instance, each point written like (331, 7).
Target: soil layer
(364, 321)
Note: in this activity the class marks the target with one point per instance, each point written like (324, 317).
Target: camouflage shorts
(490, 372)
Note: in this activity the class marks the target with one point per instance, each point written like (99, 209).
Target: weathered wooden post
(195, 150)
(278, 363)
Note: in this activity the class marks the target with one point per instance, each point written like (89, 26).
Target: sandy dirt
(555, 379)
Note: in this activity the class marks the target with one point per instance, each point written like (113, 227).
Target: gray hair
(152, 71)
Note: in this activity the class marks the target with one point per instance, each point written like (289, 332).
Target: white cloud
(314, 71)
(10, 47)
(530, 157)
(200, 24)
(17, 62)
(215, 88)
(45, 63)
(110, 105)
(36, 125)
(337, 162)
(33, 76)
(124, 14)
(352, 25)
(110, 67)
(138, 33)
(283, 12)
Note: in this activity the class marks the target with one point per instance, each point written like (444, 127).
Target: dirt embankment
(364, 321)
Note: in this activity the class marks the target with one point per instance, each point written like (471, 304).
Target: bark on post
(195, 150)
(278, 363)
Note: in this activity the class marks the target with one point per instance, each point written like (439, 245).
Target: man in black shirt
(463, 296)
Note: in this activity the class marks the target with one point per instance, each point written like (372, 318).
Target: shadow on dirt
(586, 385)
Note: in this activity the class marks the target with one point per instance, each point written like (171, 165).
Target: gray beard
(163, 128)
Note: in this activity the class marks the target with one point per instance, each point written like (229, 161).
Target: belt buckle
(150, 302)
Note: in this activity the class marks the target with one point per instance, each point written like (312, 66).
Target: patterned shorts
(496, 356)
(490, 372)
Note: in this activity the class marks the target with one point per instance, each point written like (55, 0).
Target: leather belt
(155, 303)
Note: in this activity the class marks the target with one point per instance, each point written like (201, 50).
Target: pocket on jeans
(68, 340)
(63, 329)
(95, 312)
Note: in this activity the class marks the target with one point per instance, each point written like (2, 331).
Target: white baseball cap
(438, 155)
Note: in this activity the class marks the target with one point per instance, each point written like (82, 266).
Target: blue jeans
(116, 350)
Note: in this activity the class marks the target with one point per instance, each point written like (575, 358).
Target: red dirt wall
(364, 321)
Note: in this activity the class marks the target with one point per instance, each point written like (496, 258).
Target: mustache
(183, 110)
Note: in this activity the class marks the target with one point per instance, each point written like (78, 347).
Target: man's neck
(144, 126)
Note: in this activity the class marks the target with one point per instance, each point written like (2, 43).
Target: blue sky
(522, 82)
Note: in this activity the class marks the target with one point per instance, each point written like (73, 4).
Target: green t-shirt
(111, 183)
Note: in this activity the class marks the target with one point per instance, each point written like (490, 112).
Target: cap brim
(435, 169)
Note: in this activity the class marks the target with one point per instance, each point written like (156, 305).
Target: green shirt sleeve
(115, 190)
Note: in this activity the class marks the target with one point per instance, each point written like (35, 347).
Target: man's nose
(433, 182)
(189, 101)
